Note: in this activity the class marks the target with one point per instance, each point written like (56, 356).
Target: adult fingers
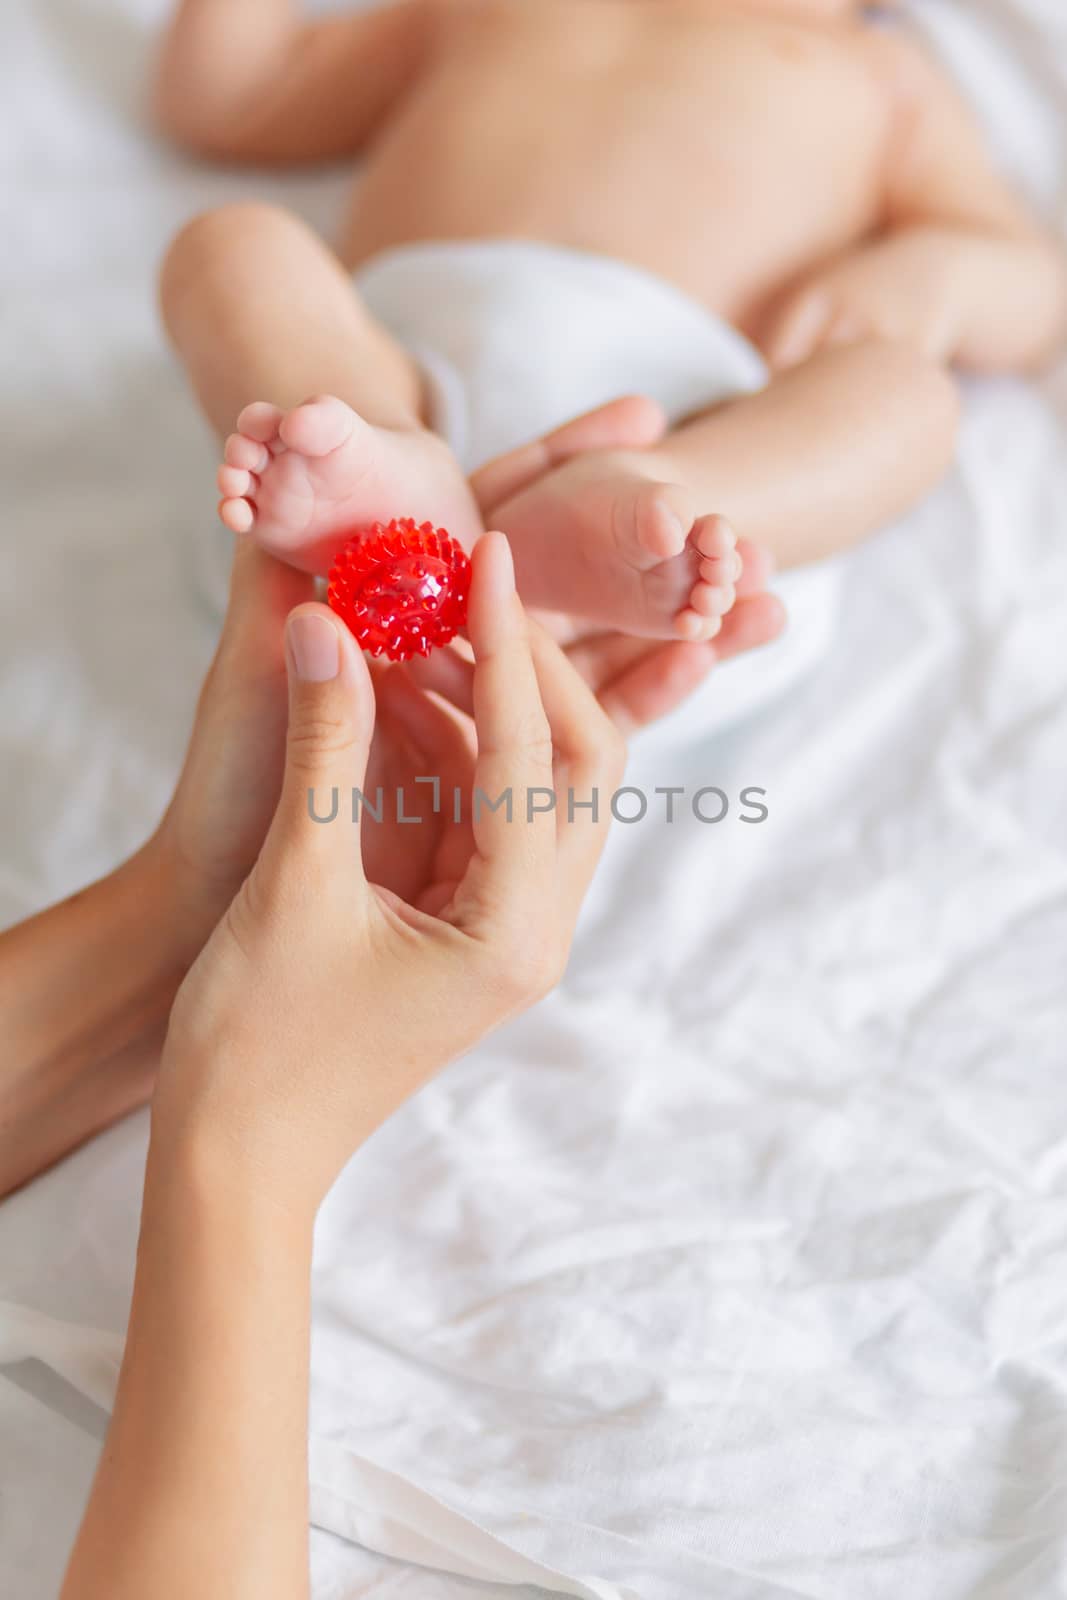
(634, 680)
(447, 673)
(757, 567)
(639, 686)
(331, 722)
(637, 682)
(598, 656)
(438, 736)
(514, 795)
(591, 757)
(629, 423)
(436, 750)
(756, 620)
(581, 733)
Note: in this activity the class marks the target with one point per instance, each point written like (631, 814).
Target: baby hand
(904, 289)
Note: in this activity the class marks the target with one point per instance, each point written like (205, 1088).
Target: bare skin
(202, 1483)
(86, 986)
(814, 180)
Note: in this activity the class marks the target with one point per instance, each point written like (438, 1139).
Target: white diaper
(516, 337)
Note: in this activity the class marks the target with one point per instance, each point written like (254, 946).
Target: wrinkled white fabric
(515, 336)
(739, 1267)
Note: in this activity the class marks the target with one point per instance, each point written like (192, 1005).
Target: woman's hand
(351, 965)
(319, 1003)
(323, 999)
(216, 823)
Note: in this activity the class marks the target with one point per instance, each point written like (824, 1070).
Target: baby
(774, 217)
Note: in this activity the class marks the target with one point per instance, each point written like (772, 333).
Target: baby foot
(610, 538)
(298, 479)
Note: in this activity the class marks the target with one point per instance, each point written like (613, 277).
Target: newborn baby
(774, 217)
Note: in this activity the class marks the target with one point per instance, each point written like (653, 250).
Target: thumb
(632, 422)
(331, 722)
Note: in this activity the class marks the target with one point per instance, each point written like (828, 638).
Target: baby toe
(241, 451)
(235, 483)
(712, 600)
(237, 515)
(260, 421)
(714, 538)
(319, 426)
(689, 624)
(661, 519)
(715, 570)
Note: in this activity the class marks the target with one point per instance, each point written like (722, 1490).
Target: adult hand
(323, 1000)
(216, 823)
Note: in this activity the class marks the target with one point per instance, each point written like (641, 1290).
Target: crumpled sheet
(739, 1268)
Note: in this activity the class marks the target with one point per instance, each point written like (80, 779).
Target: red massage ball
(402, 589)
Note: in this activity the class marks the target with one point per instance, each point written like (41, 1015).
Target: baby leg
(263, 316)
(822, 456)
(828, 452)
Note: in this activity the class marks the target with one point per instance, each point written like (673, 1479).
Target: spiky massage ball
(402, 589)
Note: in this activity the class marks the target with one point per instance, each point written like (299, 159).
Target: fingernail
(315, 648)
(508, 561)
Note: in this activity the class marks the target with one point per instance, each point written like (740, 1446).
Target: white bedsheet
(740, 1267)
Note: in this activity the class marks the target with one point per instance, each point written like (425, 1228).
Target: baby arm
(962, 267)
(253, 80)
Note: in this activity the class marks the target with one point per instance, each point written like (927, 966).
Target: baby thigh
(258, 308)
